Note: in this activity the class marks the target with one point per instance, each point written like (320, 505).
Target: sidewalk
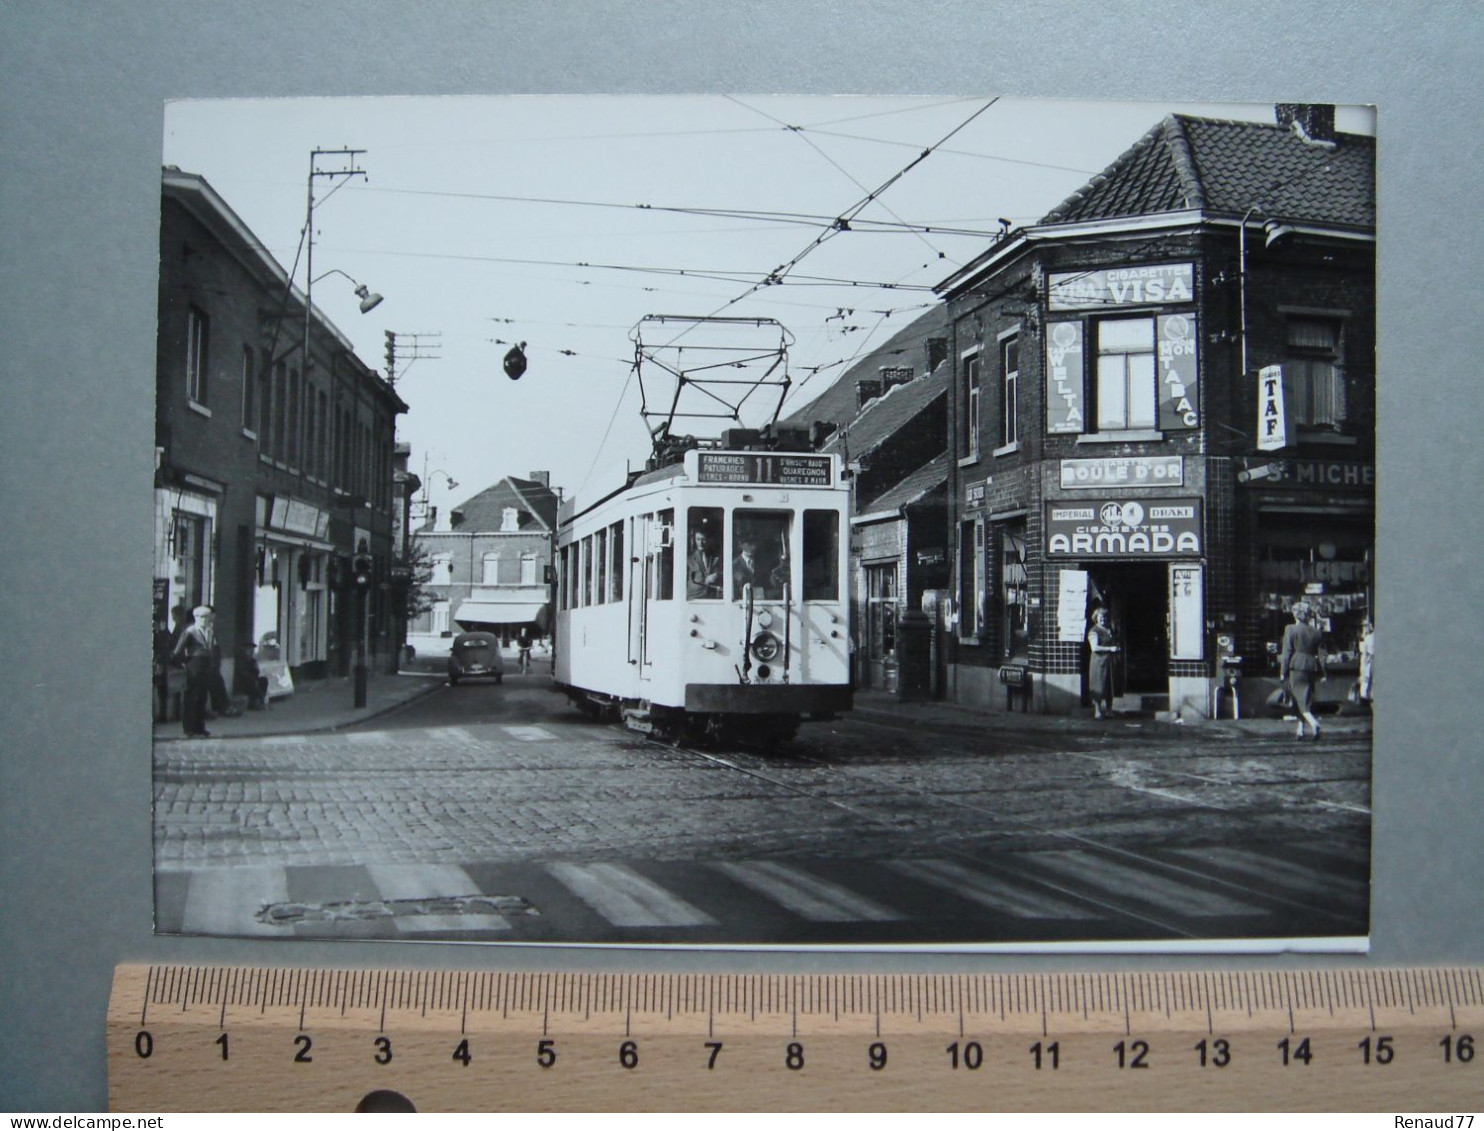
(317, 705)
(951, 717)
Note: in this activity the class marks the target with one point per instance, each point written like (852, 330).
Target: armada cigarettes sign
(1119, 528)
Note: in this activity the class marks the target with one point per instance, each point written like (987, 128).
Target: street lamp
(369, 299)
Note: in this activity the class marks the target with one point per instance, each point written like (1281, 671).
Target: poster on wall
(1179, 393)
(1071, 606)
(1187, 622)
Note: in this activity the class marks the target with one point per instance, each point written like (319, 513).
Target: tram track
(1261, 896)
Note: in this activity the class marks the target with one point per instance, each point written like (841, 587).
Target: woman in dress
(1302, 658)
(1100, 665)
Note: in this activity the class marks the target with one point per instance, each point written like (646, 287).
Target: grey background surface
(82, 89)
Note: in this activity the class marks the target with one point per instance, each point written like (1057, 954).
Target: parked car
(475, 655)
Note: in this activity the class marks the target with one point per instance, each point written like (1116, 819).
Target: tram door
(656, 533)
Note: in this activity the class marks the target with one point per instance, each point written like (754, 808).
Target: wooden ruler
(195, 1038)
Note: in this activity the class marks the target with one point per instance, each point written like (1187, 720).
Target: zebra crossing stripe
(451, 734)
(368, 738)
(625, 898)
(1297, 878)
(1021, 901)
(225, 901)
(431, 881)
(803, 894)
(529, 734)
(1116, 881)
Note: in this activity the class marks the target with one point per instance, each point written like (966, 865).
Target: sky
(565, 222)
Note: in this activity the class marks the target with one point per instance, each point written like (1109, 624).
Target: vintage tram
(706, 600)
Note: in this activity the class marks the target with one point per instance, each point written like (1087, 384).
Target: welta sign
(1272, 409)
(1139, 528)
(1064, 378)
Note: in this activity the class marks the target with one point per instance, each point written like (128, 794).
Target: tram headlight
(766, 646)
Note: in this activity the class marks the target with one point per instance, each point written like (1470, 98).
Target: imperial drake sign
(1121, 528)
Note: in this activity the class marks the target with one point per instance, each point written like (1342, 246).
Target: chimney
(1314, 122)
(541, 477)
(867, 389)
(937, 352)
(894, 375)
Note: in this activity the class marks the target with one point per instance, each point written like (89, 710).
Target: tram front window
(704, 554)
(762, 561)
(821, 556)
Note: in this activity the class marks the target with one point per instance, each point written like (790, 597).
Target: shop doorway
(1137, 597)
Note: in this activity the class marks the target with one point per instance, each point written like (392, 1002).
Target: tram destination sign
(765, 467)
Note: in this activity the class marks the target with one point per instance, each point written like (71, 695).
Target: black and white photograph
(761, 520)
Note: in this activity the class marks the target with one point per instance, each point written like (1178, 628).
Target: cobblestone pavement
(525, 801)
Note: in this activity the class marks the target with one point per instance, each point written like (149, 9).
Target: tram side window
(704, 552)
(587, 570)
(821, 556)
(665, 556)
(600, 551)
(620, 567)
(562, 602)
(762, 553)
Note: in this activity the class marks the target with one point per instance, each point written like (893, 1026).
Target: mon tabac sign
(1149, 284)
(1123, 528)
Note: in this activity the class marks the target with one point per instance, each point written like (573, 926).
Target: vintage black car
(475, 655)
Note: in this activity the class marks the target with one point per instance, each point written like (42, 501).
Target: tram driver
(748, 569)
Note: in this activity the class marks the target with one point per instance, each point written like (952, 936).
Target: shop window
(881, 611)
(1014, 593)
(197, 334)
(1125, 374)
(705, 553)
(821, 555)
(971, 571)
(1316, 375)
(971, 406)
(1009, 387)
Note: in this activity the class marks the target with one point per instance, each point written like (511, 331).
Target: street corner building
(489, 561)
(276, 463)
(1158, 400)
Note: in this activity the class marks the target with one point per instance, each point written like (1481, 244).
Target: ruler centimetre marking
(191, 1038)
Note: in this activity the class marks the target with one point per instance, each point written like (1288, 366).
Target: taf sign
(764, 467)
(1272, 409)
(1119, 528)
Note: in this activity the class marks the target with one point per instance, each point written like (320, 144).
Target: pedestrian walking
(1301, 659)
(1100, 664)
(523, 649)
(1367, 660)
(198, 651)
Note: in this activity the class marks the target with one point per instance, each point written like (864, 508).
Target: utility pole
(416, 345)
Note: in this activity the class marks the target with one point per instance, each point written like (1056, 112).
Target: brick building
(273, 469)
(490, 558)
(1164, 403)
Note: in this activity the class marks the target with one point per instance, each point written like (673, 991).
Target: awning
(500, 612)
